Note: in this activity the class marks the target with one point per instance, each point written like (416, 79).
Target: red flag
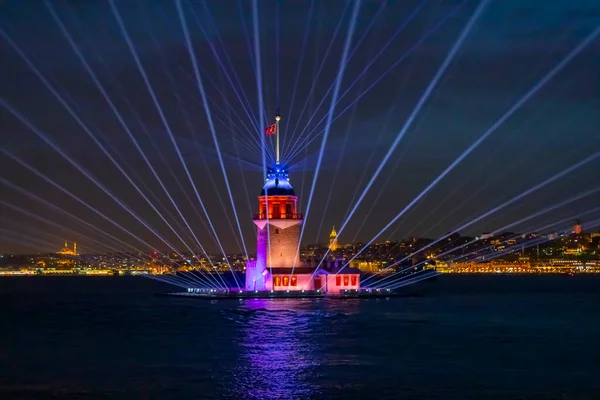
(270, 130)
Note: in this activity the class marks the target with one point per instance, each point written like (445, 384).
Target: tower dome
(278, 182)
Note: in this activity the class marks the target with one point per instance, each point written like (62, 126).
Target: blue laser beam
(297, 77)
(373, 59)
(210, 121)
(495, 126)
(163, 119)
(496, 231)
(424, 97)
(76, 165)
(215, 53)
(91, 135)
(259, 93)
(515, 199)
(407, 282)
(319, 70)
(79, 200)
(55, 225)
(309, 138)
(37, 173)
(61, 210)
(113, 108)
(339, 78)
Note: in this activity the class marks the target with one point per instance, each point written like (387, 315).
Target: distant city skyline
(503, 253)
(332, 241)
(334, 244)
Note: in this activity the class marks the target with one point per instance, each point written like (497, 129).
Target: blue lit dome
(278, 182)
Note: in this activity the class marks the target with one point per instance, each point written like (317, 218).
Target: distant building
(333, 243)
(374, 266)
(577, 228)
(66, 251)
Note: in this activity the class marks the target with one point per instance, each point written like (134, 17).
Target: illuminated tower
(278, 223)
(333, 243)
(277, 266)
(577, 229)
(74, 248)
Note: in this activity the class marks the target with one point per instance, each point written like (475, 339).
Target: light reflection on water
(280, 353)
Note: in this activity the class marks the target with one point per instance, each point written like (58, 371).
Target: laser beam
(210, 121)
(340, 75)
(424, 97)
(163, 119)
(494, 127)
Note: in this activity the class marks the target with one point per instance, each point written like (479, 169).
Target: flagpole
(277, 118)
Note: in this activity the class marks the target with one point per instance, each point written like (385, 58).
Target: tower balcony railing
(282, 215)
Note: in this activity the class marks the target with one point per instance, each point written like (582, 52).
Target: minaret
(333, 244)
(75, 248)
(278, 223)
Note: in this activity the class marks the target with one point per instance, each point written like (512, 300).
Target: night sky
(395, 51)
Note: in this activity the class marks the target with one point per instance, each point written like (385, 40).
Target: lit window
(346, 280)
(286, 281)
(354, 280)
(277, 281)
(294, 281)
(338, 281)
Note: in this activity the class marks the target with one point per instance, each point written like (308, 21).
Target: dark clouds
(513, 45)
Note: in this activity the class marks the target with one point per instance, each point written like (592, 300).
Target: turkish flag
(270, 130)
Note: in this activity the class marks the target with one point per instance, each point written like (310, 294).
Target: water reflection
(280, 348)
(277, 353)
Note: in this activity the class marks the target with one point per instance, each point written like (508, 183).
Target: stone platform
(242, 295)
